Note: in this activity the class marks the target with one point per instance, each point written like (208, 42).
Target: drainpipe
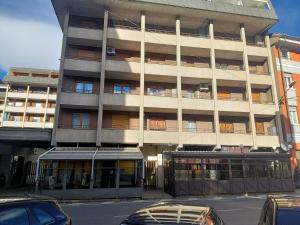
(38, 169)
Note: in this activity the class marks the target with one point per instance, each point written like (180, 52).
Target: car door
(12, 215)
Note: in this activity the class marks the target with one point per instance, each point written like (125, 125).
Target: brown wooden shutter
(256, 97)
(226, 127)
(87, 54)
(120, 121)
(223, 94)
(260, 128)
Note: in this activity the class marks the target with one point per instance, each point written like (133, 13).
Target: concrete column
(274, 90)
(60, 80)
(46, 106)
(102, 79)
(248, 85)
(4, 105)
(142, 81)
(214, 85)
(25, 107)
(179, 92)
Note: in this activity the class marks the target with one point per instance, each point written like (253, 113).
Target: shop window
(250, 169)
(105, 174)
(262, 169)
(128, 174)
(52, 174)
(237, 169)
(79, 174)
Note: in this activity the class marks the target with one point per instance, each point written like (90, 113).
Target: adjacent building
(140, 78)
(27, 107)
(286, 51)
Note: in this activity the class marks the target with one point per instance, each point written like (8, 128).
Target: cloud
(27, 43)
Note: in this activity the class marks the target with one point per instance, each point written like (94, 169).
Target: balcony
(71, 135)
(195, 138)
(17, 94)
(120, 136)
(28, 124)
(35, 110)
(82, 65)
(12, 123)
(197, 103)
(86, 35)
(267, 141)
(158, 34)
(72, 98)
(129, 100)
(230, 70)
(51, 111)
(228, 42)
(15, 109)
(232, 99)
(38, 96)
(160, 137)
(236, 139)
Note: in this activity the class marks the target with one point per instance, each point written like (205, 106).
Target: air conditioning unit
(203, 87)
(110, 51)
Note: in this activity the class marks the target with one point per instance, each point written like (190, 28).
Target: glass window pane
(88, 88)
(125, 90)
(128, 173)
(79, 87)
(76, 120)
(105, 174)
(117, 89)
(42, 216)
(85, 120)
(14, 216)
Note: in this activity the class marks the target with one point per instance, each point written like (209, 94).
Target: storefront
(201, 173)
(89, 173)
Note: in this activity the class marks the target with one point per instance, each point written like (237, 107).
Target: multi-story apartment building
(27, 107)
(286, 50)
(142, 77)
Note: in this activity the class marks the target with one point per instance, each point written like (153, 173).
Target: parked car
(174, 213)
(31, 211)
(280, 211)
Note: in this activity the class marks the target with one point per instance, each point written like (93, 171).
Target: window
(82, 87)
(128, 174)
(288, 80)
(190, 93)
(226, 127)
(156, 91)
(192, 126)
(157, 124)
(14, 216)
(121, 89)
(120, 122)
(293, 115)
(42, 216)
(285, 54)
(81, 120)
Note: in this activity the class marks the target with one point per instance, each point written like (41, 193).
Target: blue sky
(31, 37)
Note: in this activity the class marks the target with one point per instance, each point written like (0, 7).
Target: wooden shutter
(256, 97)
(120, 121)
(87, 54)
(157, 124)
(161, 124)
(226, 127)
(223, 94)
(260, 128)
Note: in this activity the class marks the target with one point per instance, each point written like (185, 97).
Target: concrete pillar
(60, 80)
(248, 85)
(142, 81)
(102, 79)
(179, 92)
(25, 106)
(4, 105)
(46, 107)
(214, 85)
(274, 90)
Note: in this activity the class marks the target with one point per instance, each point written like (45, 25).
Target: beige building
(152, 76)
(28, 98)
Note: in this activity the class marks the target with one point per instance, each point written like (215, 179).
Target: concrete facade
(178, 80)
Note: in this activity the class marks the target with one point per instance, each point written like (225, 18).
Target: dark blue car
(30, 211)
(281, 211)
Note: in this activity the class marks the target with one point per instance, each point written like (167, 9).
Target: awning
(82, 153)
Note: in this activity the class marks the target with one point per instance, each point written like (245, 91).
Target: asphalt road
(234, 210)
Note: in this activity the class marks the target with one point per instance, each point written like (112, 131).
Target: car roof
(286, 202)
(168, 212)
(9, 199)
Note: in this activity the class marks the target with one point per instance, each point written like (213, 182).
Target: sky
(31, 37)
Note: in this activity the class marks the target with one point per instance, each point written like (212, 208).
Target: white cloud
(26, 43)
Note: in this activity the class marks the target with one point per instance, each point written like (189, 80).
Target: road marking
(121, 216)
(228, 210)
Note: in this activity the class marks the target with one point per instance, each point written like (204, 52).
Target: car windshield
(288, 216)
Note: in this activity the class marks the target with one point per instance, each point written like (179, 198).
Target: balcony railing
(270, 131)
(162, 128)
(197, 130)
(235, 131)
(196, 96)
(79, 91)
(122, 127)
(224, 66)
(256, 72)
(80, 126)
(124, 24)
(160, 29)
(225, 36)
(87, 58)
(263, 102)
(232, 98)
(164, 94)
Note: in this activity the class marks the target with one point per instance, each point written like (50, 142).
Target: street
(235, 210)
